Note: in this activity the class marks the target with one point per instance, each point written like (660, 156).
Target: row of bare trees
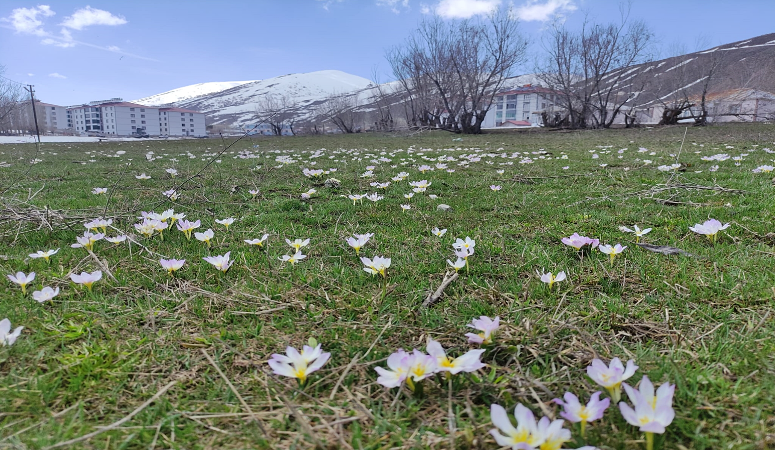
(15, 112)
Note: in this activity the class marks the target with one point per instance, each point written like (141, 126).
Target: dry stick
(433, 298)
(302, 420)
(117, 424)
(234, 390)
(344, 374)
(102, 265)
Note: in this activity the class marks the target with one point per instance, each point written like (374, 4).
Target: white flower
(6, 337)
(45, 294)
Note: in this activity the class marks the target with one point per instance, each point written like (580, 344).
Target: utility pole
(34, 112)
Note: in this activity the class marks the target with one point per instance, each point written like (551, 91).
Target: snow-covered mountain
(237, 104)
(189, 92)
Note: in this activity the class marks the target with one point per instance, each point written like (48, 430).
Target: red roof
(129, 104)
(179, 110)
(528, 89)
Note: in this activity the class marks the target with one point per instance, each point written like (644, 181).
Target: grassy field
(88, 359)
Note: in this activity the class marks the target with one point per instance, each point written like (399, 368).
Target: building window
(499, 115)
(191, 120)
(191, 114)
(142, 110)
(133, 122)
(183, 119)
(192, 130)
(131, 115)
(142, 116)
(131, 109)
(526, 106)
(511, 115)
(511, 106)
(134, 127)
(511, 97)
(500, 106)
(142, 121)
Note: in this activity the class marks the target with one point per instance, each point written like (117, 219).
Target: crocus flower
(458, 264)
(495, 187)
(524, 437)
(638, 232)
(258, 242)
(99, 223)
(467, 244)
(577, 241)
(611, 376)
(299, 365)
(612, 251)
(550, 279)
(357, 242)
(293, 259)
(225, 222)
(171, 194)
(22, 280)
(253, 192)
(486, 327)
(187, 227)
(45, 294)
(552, 434)
(652, 413)
(709, 228)
(87, 240)
(406, 207)
(45, 255)
(6, 337)
(116, 240)
(99, 191)
(205, 237)
(468, 362)
(142, 176)
(438, 232)
(172, 172)
(398, 369)
(574, 411)
(378, 265)
(297, 244)
(172, 264)
(220, 262)
(86, 279)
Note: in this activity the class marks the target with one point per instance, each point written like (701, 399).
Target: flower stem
(649, 441)
(584, 430)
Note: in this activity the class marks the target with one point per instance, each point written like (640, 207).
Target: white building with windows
(55, 117)
(181, 122)
(520, 107)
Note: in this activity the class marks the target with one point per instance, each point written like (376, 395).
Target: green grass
(705, 323)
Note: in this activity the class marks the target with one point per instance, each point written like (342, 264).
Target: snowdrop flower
(142, 176)
(172, 172)
(486, 327)
(611, 376)
(299, 365)
(577, 241)
(172, 264)
(297, 244)
(116, 240)
(45, 255)
(45, 294)
(638, 232)
(225, 222)
(709, 228)
(357, 242)
(551, 279)
(437, 232)
(6, 337)
(258, 242)
(205, 237)
(187, 227)
(468, 362)
(575, 412)
(652, 413)
(220, 262)
(378, 265)
(495, 187)
(524, 437)
(87, 279)
(406, 207)
(458, 264)
(612, 251)
(22, 280)
(293, 259)
(99, 191)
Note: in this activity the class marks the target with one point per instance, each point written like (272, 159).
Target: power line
(12, 81)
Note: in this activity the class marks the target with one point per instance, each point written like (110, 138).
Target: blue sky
(82, 50)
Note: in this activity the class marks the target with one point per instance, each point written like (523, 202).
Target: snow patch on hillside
(189, 92)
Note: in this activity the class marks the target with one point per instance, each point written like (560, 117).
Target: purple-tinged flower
(577, 241)
(486, 327)
(611, 376)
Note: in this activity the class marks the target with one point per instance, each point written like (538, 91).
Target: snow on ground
(45, 139)
(189, 92)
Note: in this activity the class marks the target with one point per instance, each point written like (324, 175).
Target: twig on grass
(234, 390)
(117, 424)
(302, 420)
(434, 297)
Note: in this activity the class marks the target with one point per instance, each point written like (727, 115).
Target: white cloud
(30, 74)
(465, 9)
(541, 11)
(25, 20)
(327, 3)
(114, 48)
(394, 5)
(56, 75)
(89, 16)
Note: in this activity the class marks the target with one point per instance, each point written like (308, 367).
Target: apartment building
(55, 118)
(519, 107)
(181, 122)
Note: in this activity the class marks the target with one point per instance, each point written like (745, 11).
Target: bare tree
(341, 110)
(277, 111)
(591, 69)
(12, 97)
(452, 70)
(382, 101)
